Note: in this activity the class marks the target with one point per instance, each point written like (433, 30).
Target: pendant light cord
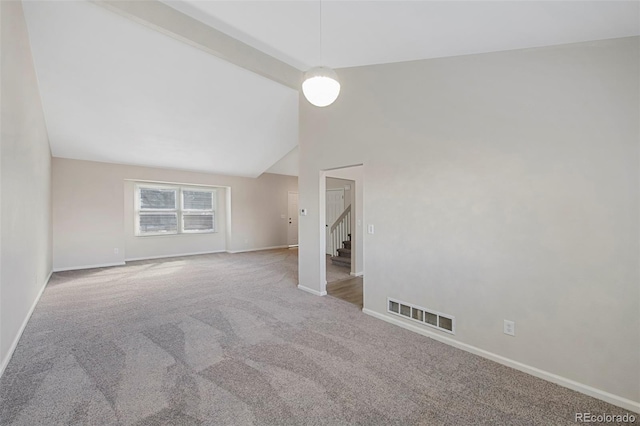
(321, 63)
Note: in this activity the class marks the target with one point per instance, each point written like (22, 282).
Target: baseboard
(257, 249)
(76, 268)
(312, 291)
(356, 274)
(14, 344)
(133, 259)
(619, 401)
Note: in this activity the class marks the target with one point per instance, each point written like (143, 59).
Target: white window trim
(183, 211)
(179, 210)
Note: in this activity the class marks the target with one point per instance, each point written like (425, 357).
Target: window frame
(179, 209)
(197, 212)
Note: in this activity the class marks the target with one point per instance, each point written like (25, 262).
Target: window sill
(176, 234)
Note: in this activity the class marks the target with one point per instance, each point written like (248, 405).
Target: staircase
(341, 231)
(344, 255)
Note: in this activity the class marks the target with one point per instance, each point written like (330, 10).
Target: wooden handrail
(340, 218)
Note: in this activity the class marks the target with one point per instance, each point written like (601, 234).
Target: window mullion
(180, 210)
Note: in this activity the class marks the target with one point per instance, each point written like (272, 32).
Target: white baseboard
(356, 274)
(14, 344)
(312, 291)
(133, 259)
(76, 268)
(257, 249)
(619, 401)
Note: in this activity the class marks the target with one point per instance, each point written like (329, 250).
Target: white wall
(89, 218)
(501, 186)
(25, 183)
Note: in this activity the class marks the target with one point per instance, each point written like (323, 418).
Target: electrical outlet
(116, 250)
(509, 328)
(370, 229)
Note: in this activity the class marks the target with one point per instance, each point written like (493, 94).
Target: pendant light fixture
(320, 84)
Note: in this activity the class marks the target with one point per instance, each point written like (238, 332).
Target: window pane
(198, 222)
(161, 223)
(151, 198)
(197, 200)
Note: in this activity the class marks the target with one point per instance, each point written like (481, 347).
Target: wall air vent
(428, 317)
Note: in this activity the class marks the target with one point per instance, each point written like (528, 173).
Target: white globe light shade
(321, 86)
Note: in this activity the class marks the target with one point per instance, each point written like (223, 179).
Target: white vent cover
(428, 317)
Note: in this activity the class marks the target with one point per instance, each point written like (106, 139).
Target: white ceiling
(288, 165)
(115, 91)
(361, 32)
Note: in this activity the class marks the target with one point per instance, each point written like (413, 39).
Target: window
(167, 210)
(197, 211)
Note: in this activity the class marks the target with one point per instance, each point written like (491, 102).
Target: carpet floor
(227, 339)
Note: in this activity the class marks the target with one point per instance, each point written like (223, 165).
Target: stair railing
(341, 229)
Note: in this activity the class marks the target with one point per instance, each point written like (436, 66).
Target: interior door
(292, 237)
(335, 207)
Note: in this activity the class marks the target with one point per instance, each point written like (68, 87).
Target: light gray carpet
(228, 339)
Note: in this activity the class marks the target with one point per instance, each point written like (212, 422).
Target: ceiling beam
(162, 18)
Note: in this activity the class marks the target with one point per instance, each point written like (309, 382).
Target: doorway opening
(343, 234)
(292, 211)
(338, 228)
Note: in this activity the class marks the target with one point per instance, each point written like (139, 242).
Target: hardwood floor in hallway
(349, 290)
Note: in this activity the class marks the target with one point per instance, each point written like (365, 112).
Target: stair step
(346, 244)
(341, 261)
(344, 252)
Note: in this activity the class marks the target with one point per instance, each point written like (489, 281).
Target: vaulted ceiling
(364, 32)
(114, 90)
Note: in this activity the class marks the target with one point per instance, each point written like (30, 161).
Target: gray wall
(90, 221)
(25, 183)
(501, 186)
